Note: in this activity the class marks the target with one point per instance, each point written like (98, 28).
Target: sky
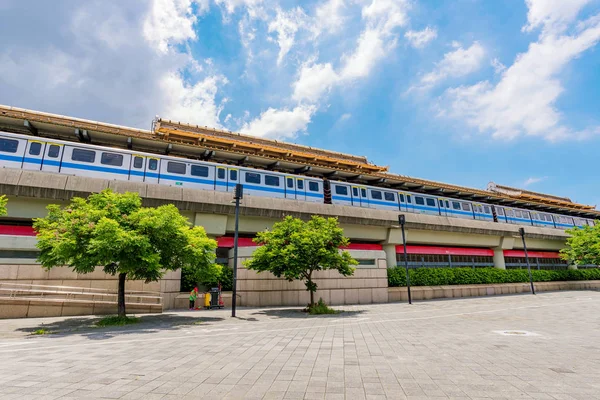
(463, 91)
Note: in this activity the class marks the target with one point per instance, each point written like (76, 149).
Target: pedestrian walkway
(507, 347)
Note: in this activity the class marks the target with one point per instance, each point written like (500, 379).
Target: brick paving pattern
(510, 347)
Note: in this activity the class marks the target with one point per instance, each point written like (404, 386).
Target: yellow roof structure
(252, 145)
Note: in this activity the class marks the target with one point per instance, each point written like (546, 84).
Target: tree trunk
(312, 298)
(121, 294)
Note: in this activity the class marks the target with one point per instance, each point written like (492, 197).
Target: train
(88, 160)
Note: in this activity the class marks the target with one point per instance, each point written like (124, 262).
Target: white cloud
(314, 80)
(498, 66)
(420, 39)
(329, 16)
(382, 17)
(194, 104)
(457, 63)
(523, 102)
(286, 24)
(533, 180)
(345, 117)
(252, 6)
(552, 15)
(171, 22)
(280, 124)
(99, 63)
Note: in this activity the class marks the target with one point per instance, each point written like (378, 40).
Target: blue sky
(463, 91)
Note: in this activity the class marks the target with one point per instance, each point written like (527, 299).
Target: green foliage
(583, 246)
(3, 201)
(225, 276)
(115, 232)
(42, 331)
(321, 308)
(294, 249)
(469, 276)
(115, 320)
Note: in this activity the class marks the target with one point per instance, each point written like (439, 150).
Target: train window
(87, 156)
(401, 198)
(53, 151)
(300, 184)
(233, 175)
(355, 192)
(389, 196)
(420, 200)
(447, 204)
(290, 182)
(153, 164)
(271, 180)
(252, 177)
(499, 211)
(176, 167)
(342, 190)
(220, 172)
(8, 145)
(201, 170)
(525, 214)
(313, 186)
(408, 199)
(376, 194)
(466, 206)
(35, 148)
(363, 193)
(112, 159)
(487, 210)
(431, 202)
(456, 205)
(138, 162)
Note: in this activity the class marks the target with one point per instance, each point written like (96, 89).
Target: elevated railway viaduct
(375, 234)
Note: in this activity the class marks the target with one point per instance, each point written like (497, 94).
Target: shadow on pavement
(85, 326)
(299, 313)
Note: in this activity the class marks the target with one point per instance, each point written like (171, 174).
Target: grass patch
(115, 320)
(321, 308)
(42, 331)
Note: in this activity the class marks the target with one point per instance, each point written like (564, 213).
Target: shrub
(115, 320)
(469, 276)
(321, 308)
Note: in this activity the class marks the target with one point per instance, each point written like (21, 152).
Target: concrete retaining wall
(456, 291)
(367, 285)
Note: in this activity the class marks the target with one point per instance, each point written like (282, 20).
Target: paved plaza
(510, 347)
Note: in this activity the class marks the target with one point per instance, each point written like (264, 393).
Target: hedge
(469, 276)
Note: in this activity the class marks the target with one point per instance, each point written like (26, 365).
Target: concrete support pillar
(499, 258)
(390, 255)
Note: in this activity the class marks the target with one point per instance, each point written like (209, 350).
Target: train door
(151, 174)
(300, 189)
(234, 178)
(359, 196)
(290, 187)
(34, 154)
(406, 202)
(52, 157)
(445, 209)
(137, 167)
(221, 179)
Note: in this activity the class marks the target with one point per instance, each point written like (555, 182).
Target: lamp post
(522, 233)
(238, 195)
(402, 220)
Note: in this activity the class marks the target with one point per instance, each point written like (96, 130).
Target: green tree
(294, 249)
(3, 201)
(583, 246)
(113, 231)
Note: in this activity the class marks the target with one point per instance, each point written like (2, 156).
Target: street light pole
(522, 233)
(238, 195)
(402, 220)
